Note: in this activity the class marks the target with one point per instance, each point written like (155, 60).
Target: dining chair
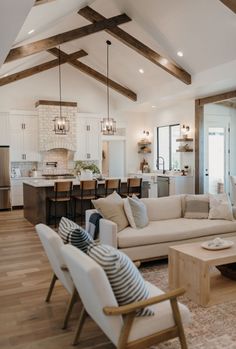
(52, 244)
(119, 323)
(62, 194)
(110, 185)
(88, 192)
(134, 187)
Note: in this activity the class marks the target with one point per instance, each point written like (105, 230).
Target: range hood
(47, 111)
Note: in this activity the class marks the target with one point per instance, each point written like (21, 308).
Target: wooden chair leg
(73, 300)
(128, 321)
(52, 284)
(79, 326)
(178, 321)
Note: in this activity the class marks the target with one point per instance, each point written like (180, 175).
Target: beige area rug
(211, 328)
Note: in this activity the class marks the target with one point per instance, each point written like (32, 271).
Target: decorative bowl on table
(217, 244)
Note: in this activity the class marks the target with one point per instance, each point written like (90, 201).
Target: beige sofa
(166, 227)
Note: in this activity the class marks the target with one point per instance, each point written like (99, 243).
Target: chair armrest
(129, 308)
(87, 216)
(108, 232)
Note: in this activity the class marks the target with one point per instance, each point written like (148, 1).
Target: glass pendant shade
(61, 123)
(108, 125)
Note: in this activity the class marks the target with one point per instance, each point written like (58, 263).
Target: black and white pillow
(125, 279)
(72, 233)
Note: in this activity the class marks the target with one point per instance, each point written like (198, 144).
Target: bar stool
(134, 186)
(111, 184)
(88, 192)
(62, 194)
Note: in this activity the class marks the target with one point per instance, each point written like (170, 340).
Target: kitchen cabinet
(17, 192)
(88, 136)
(4, 129)
(24, 136)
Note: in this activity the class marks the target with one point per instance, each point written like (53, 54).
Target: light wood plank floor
(26, 321)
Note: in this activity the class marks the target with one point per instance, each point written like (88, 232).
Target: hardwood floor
(26, 321)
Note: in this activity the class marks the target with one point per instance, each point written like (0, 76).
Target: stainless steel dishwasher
(163, 185)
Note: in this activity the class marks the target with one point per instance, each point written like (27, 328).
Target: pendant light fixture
(108, 125)
(61, 123)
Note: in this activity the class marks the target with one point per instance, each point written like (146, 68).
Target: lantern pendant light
(61, 123)
(108, 125)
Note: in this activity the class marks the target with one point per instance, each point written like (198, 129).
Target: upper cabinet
(24, 136)
(88, 136)
(4, 129)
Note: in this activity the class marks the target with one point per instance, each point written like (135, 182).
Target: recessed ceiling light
(31, 31)
(164, 61)
(180, 53)
(141, 71)
(154, 106)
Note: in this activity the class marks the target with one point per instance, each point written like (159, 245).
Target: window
(167, 146)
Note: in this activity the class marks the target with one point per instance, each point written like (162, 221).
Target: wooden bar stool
(110, 185)
(88, 192)
(62, 194)
(134, 186)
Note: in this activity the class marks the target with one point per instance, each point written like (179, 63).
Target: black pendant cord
(108, 95)
(60, 79)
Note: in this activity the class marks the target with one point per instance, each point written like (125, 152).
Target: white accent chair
(233, 191)
(119, 322)
(52, 244)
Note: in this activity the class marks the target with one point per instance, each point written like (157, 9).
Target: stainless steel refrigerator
(5, 184)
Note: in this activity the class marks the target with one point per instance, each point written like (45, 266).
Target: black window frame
(170, 144)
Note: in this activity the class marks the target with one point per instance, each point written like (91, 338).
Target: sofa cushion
(129, 213)
(162, 319)
(173, 230)
(196, 206)
(71, 233)
(112, 208)
(220, 207)
(163, 208)
(126, 281)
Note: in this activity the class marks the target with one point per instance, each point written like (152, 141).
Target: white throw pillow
(220, 207)
(139, 212)
(129, 213)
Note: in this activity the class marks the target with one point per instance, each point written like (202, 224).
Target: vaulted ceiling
(203, 30)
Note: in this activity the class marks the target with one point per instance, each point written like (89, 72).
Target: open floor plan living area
(117, 174)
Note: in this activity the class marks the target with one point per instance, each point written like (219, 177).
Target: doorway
(113, 158)
(216, 149)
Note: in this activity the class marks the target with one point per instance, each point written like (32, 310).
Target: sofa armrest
(108, 232)
(234, 211)
(87, 216)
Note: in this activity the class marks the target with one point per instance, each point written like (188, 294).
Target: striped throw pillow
(125, 279)
(72, 233)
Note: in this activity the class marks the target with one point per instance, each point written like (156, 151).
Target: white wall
(180, 113)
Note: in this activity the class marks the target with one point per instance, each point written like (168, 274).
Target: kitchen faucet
(163, 164)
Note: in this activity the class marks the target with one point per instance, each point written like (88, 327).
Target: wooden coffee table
(192, 267)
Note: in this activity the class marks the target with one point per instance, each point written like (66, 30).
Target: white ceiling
(204, 30)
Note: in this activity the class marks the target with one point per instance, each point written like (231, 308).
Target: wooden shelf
(144, 143)
(184, 139)
(184, 150)
(144, 151)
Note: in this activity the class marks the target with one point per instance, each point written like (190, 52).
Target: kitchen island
(37, 191)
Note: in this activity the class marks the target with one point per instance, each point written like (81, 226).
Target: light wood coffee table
(192, 267)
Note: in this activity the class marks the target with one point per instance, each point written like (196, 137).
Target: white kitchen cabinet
(4, 129)
(24, 136)
(88, 136)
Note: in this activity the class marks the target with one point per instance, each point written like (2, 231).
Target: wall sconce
(185, 131)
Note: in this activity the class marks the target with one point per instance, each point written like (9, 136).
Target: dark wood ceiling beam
(39, 68)
(231, 4)
(129, 40)
(45, 44)
(41, 2)
(95, 74)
